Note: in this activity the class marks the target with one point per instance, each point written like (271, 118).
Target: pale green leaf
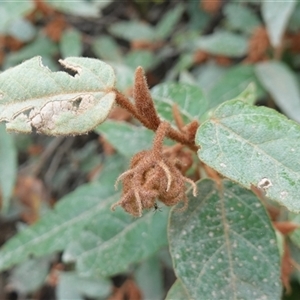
(146, 59)
(82, 8)
(118, 243)
(41, 46)
(254, 146)
(185, 61)
(231, 84)
(73, 287)
(11, 11)
(224, 43)
(149, 278)
(38, 268)
(276, 16)
(70, 43)
(106, 48)
(125, 76)
(8, 167)
(282, 84)
(224, 246)
(166, 25)
(113, 166)
(294, 21)
(59, 227)
(22, 30)
(295, 235)
(208, 75)
(177, 291)
(56, 103)
(133, 30)
(249, 95)
(125, 138)
(241, 17)
(189, 99)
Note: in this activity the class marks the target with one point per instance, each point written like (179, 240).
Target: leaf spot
(283, 194)
(264, 183)
(223, 165)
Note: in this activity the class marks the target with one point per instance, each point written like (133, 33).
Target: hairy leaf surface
(177, 291)
(190, 100)
(57, 228)
(113, 242)
(254, 146)
(56, 103)
(231, 84)
(224, 246)
(135, 138)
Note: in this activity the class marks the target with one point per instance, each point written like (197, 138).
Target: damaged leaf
(254, 146)
(56, 103)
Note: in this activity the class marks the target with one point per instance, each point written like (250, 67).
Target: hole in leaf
(76, 103)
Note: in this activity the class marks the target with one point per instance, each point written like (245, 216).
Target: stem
(172, 133)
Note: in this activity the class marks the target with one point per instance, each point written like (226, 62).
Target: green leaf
(177, 291)
(118, 243)
(165, 26)
(125, 76)
(59, 227)
(132, 31)
(208, 75)
(56, 103)
(70, 43)
(113, 166)
(282, 84)
(143, 58)
(241, 17)
(232, 83)
(254, 146)
(72, 286)
(149, 278)
(224, 246)
(189, 99)
(106, 48)
(276, 17)
(22, 30)
(11, 11)
(135, 138)
(294, 22)
(82, 8)
(38, 268)
(248, 95)
(8, 167)
(295, 235)
(41, 46)
(224, 43)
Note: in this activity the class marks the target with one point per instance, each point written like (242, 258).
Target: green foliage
(86, 98)
(225, 232)
(207, 78)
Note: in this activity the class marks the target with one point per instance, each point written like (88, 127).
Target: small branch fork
(143, 110)
(155, 174)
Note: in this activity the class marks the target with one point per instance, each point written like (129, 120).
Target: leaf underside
(254, 146)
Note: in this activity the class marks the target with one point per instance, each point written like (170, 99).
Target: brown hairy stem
(172, 133)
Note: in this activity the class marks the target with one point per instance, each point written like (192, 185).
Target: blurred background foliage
(218, 46)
